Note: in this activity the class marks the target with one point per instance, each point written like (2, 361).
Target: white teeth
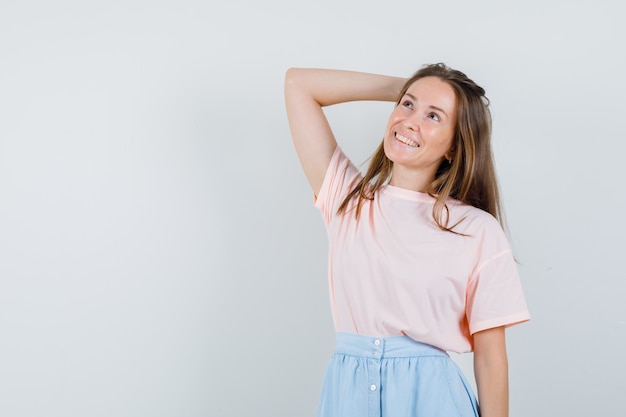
(407, 141)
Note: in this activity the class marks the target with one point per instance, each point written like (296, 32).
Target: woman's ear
(449, 155)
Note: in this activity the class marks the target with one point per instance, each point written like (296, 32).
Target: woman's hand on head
(307, 91)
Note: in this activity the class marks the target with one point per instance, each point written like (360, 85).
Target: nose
(413, 122)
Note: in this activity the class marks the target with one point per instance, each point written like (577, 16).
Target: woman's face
(420, 132)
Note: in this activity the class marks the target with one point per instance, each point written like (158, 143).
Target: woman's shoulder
(471, 219)
(340, 177)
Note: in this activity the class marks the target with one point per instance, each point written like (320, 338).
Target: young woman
(418, 261)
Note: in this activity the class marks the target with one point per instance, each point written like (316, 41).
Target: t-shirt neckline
(406, 194)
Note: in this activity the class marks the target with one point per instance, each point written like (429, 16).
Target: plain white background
(159, 251)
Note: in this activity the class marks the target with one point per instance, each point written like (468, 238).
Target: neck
(411, 180)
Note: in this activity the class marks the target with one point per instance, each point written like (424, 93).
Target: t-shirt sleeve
(340, 177)
(494, 294)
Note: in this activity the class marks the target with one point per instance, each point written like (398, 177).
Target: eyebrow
(432, 107)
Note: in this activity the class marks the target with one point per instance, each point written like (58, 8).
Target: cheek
(386, 144)
(389, 129)
(446, 137)
(390, 123)
(395, 117)
(387, 147)
(449, 145)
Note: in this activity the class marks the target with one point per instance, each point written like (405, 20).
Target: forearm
(328, 87)
(491, 371)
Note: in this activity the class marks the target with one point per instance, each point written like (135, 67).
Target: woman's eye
(434, 116)
(407, 104)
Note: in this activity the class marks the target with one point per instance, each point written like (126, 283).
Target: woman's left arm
(492, 372)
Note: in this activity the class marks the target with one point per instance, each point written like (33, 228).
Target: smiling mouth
(407, 141)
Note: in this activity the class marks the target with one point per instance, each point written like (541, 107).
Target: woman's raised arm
(307, 91)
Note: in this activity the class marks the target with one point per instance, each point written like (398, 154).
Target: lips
(407, 141)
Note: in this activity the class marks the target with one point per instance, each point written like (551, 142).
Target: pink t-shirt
(394, 272)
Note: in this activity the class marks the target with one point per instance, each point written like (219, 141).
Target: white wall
(159, 252)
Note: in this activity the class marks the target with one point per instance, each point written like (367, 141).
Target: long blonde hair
(470, 177)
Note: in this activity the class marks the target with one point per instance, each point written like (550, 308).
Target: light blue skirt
(393, 377)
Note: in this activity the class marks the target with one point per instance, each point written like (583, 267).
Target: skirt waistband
(383, 347)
